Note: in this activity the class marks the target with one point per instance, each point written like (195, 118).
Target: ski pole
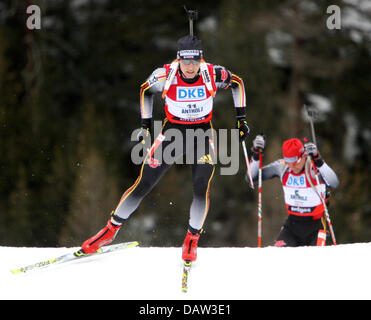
(247, 164)
(310, 115)
(260, 202)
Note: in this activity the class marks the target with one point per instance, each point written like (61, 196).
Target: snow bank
(334, 272)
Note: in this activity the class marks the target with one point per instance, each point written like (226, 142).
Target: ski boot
(190, 246)
(103, 237)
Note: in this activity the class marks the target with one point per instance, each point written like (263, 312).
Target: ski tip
(133, 244)
(16, 271)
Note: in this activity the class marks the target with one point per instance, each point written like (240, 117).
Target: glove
(241, 124)
(243, 129)
(145, 132)
(258, 146)
(312, 151)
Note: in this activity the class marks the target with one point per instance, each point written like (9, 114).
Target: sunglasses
(294, 160)
(189, 61)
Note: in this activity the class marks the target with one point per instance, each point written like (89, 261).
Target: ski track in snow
(155, 273)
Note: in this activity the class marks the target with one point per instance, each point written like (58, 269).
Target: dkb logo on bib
(190, 93)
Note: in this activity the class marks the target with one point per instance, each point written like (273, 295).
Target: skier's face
(189, 68)
(297, 166)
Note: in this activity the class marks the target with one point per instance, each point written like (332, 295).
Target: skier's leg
(131, 199)
(203, 168)
(150, 173)
(202, 176)
(147, 180)
(286, 237)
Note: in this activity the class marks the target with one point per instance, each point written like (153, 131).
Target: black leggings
(300, 231)
(170, 151)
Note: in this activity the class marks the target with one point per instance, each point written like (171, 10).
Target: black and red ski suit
(306, 224)
(188, 105)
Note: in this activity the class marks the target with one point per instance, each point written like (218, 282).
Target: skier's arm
(154, 84)
(272, 170)
(225, 79)
(328, 175)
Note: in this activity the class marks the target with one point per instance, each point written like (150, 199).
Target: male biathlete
(188, 86)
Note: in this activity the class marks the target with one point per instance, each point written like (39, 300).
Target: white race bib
(190, 109)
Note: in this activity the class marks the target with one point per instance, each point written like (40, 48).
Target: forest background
(69, 101)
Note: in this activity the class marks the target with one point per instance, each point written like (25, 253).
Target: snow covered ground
(341, 272)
